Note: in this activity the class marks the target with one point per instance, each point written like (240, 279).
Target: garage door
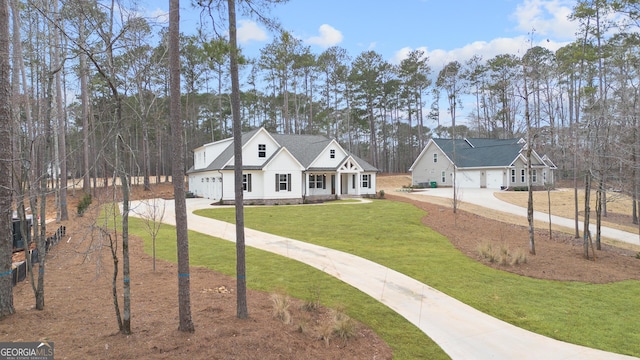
(468, 179)
(494, 179)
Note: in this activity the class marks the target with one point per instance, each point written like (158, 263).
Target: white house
(280, 169)
(480, 163)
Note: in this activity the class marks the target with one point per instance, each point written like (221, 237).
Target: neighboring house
(280, 169)
(480, 163)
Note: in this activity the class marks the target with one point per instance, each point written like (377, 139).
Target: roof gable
(470, 153)
(305, 149)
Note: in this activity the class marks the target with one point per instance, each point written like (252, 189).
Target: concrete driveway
(485, 198)
(460, 330)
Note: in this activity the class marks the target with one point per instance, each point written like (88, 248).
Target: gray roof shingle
(305, 148)
(481, 152)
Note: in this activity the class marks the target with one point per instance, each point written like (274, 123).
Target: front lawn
(269, 272)
(391, 233)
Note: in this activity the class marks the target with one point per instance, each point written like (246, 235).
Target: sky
(446, 30)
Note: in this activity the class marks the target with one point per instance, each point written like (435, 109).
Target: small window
(262, 150)
(544, 176)
(332, 153)
(366, 181)
(435, 158)
(513, 176)
(444, 176)
(522, 176)
(283, 182)
(534, 176)
(246, 182)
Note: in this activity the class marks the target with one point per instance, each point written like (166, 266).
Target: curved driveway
(460, 330)
(485, 198)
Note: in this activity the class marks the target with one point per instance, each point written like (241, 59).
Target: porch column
(305, 183)
(338, 184)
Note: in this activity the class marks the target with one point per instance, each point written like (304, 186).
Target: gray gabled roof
(305, 148)
(480, 152)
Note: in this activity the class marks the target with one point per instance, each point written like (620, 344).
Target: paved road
(461, 331)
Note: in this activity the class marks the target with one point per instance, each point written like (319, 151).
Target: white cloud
(160, 15)
(487, 50)
(547, 18)
(329, 36)
(250, 31)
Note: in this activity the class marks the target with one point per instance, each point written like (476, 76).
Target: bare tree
(182, 235)
(449, 80)
(152, 217)
(6, 242)
(241, 304)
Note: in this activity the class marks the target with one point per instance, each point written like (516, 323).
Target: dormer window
(332, 153)
(262, 150)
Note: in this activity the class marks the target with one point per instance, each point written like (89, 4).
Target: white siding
(204, 155)
(250, 150)
(324, 160)
(283, 163)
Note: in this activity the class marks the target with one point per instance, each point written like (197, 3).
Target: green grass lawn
(390, 233)
(269, 272)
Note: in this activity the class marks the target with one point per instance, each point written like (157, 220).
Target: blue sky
(446, 30)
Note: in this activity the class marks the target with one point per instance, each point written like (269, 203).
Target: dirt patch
(79, 316)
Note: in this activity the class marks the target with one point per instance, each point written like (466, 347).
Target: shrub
(304, 327)
(381, 194)
(83, 204)
(313, 302)
(281, 304)
(343, 326)
(519, 257)
(325, 331)
(502, 255)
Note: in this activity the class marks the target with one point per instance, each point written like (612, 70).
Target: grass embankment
(269, 272)
(391, 233)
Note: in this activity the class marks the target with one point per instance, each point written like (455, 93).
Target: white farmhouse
(280, 169)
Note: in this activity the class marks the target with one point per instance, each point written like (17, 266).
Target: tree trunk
(182, 236)
(126, 273)
(587, 211)
(62, 133)
(84, 96)
(241, 302)
(6, 240)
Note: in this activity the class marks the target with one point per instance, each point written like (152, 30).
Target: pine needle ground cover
(391, 233)
(270, 272)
